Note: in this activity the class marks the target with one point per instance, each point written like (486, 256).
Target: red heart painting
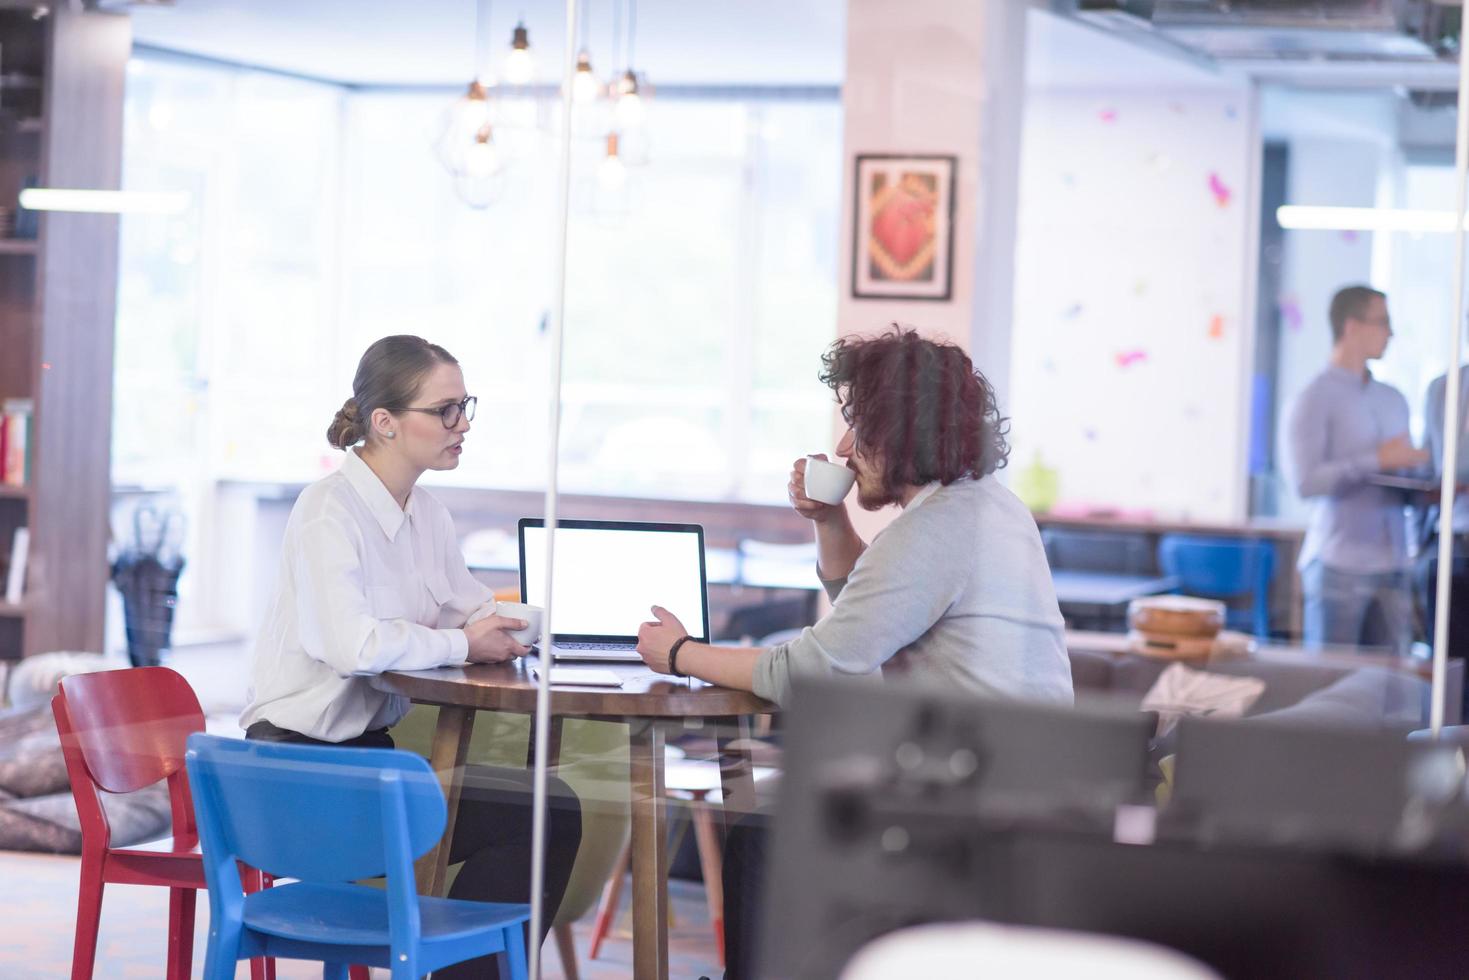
(901, 240)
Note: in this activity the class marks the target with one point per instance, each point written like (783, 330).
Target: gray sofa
(1326, 693)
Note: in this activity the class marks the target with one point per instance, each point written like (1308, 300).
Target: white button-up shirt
(365, 586)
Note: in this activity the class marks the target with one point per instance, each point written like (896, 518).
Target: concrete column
(943, 77)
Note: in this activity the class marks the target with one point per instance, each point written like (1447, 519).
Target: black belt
(264, 731)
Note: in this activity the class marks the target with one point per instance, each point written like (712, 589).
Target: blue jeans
(1356, 609)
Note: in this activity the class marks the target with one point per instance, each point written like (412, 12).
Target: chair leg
(334, 971)
(180, 932)
(514, 953)
(679, 821)
(611, 895)
(566, 947)
(89, 916)
(261, 967)
(711, 864)
(223, 951)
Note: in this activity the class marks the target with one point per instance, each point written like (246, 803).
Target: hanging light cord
(616, 35)
(632, 30)
(482, 40)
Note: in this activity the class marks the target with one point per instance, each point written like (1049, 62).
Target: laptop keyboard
(596, 646)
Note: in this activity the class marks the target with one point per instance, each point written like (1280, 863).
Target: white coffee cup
(534, 616)
(826, 481)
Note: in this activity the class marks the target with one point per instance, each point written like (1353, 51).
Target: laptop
(608, 576)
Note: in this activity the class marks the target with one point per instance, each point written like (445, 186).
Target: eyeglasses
(451, 412)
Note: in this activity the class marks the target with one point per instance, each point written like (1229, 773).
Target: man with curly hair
(957, 588)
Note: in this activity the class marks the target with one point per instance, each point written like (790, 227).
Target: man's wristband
(673, 656)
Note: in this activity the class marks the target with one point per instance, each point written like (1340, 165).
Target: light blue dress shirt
(1336, 425)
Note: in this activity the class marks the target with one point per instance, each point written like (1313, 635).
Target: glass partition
(1059, 301)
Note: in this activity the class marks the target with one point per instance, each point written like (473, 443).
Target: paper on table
(581, 676)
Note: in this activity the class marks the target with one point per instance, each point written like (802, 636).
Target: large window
(226, 308)
(321, 220)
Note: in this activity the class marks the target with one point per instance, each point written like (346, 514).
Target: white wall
(1133, 323)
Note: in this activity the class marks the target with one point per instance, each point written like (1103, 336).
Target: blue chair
(1223, 568)
(328, 817)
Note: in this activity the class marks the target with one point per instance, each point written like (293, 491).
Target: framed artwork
(903, 227)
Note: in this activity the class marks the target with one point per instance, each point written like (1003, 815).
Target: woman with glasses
(372, 579)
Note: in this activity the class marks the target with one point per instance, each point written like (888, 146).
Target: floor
(36, 934)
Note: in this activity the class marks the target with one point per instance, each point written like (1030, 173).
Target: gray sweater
(956, 589)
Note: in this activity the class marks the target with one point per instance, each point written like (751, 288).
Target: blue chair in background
(328, 817)
(1223, 568)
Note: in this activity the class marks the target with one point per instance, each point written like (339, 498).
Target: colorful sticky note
(1128, 358)
(1220, 190)
(1108, 115)
(1216, 327)
(1349, 236)
(1290, 312)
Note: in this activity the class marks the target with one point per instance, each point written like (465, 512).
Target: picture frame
(903, 226)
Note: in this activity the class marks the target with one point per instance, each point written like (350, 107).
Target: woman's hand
(490, 641)
(655, 639)
(812, 510)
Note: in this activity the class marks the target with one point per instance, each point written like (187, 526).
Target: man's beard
(876, 500)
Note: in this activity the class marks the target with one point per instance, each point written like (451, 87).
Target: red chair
(121, 731)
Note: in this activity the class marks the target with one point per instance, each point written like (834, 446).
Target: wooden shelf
(11, 610)
(14, 493)
(18, 246)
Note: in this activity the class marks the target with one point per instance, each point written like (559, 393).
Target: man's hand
(812, 510)
(490, 641)
(1399, 453)
(656, 638)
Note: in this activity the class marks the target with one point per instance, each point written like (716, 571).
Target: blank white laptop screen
(609, 575)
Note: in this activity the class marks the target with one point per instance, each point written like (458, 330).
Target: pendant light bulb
(520, 65)
(584, 87)
(464, 121)
(612, 172)
(629, 110)
(481, 159)
(473, 111)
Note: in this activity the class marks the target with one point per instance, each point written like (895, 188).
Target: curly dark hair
(919, 406)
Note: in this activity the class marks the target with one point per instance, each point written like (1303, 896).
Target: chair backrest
(1097, 551)
(130, 725)
(312, 812)
(1216, 566)
(122, 730)
(1222, 568)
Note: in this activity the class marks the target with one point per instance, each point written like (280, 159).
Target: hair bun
(346, 428)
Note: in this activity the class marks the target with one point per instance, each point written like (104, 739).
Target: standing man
(1346, 427)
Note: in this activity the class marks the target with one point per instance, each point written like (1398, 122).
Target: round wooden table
(643, 701)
